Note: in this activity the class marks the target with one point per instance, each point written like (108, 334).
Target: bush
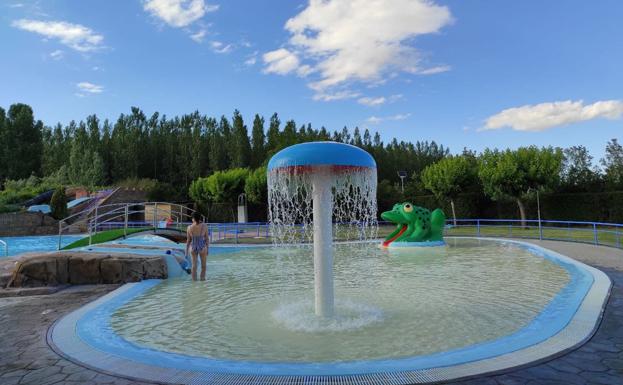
(154, 189)
(9, 208)
(256, 186)
(220, 187)
(144, 184)
(58, 203)
(164, 192)
(18, 191)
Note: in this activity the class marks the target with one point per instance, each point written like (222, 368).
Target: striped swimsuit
(198, 242)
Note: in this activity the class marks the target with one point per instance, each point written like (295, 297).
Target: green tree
(220, 187)
(86, 166)
(241, 148)
(217, 147)
(256, 186)
(613, 164)
(22, 143)
(55, 153)
(288, 136)
(514, 174)
(387, 194)
(3, 146)
(273, 136)
(578, 171)
(106, 151)
(58, 203)
(449, 177)
(258, 142)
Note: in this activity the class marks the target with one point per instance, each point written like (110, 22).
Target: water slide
(42, 198)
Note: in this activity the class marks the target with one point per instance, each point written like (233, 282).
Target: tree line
(211, 160)
(174, 151)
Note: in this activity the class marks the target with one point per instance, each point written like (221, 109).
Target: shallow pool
(257, 303)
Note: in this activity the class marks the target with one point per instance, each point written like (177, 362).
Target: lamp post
(538, 210)
(402, 175)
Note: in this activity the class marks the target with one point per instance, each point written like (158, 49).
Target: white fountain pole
(323, 248)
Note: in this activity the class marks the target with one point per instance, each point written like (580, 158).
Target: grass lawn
(605, 236)
(104, 236)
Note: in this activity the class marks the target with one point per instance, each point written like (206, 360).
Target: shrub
(58, 203)
(9, 208)
(256, 186)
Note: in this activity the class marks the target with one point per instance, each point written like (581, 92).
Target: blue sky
(470, 74)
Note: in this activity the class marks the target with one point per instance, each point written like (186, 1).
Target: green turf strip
(105, 236)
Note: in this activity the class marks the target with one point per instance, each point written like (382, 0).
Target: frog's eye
(408, 207)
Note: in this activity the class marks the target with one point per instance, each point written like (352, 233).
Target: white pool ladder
(5, 247)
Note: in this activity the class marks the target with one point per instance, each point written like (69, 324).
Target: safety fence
(160, 215)
(597, 233)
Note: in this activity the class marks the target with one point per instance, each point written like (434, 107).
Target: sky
(472, 74)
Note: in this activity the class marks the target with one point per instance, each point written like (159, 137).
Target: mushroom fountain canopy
(348, 173)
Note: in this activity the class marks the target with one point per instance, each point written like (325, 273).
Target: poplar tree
(258, 142)
(241, 148)
(273, 136)
(23, 145)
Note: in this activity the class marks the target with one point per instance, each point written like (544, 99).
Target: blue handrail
(598, 233)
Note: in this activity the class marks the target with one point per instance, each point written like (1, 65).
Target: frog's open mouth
(396, 236)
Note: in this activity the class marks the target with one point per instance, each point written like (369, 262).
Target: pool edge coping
(63, 339)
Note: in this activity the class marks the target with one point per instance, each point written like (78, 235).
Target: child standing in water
(197, 240)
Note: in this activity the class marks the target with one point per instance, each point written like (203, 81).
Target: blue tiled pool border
(94, 328)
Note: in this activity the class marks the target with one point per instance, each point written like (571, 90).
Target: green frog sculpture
(415, 226)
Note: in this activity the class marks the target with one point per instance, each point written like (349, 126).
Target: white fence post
(125, 222)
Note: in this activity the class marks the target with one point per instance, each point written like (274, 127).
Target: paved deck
(25, 357)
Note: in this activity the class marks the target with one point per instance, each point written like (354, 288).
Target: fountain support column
(323, 245)
(321, 175)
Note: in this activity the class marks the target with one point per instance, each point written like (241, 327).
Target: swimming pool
(28, 244)
(404, 316)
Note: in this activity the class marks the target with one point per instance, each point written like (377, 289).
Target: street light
(402, 175)
(538, 210)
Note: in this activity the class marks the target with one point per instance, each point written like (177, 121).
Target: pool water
(257, 303)
(21, 245)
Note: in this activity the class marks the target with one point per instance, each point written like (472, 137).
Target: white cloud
(178, 13)
(280, 61)
(90, 88)
(251, 59)
(540, 117)
(199, 36)
(377, 101)
(347, 41)
(220, 47)
(435, 70)
(57, 55)
(377, 120)
(339, 95)
(370, 102)
(75, 36)
(16, 5)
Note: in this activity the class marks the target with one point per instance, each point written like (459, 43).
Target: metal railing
(597, 233)
(5, 246)
(120, 215)
(117, 216)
